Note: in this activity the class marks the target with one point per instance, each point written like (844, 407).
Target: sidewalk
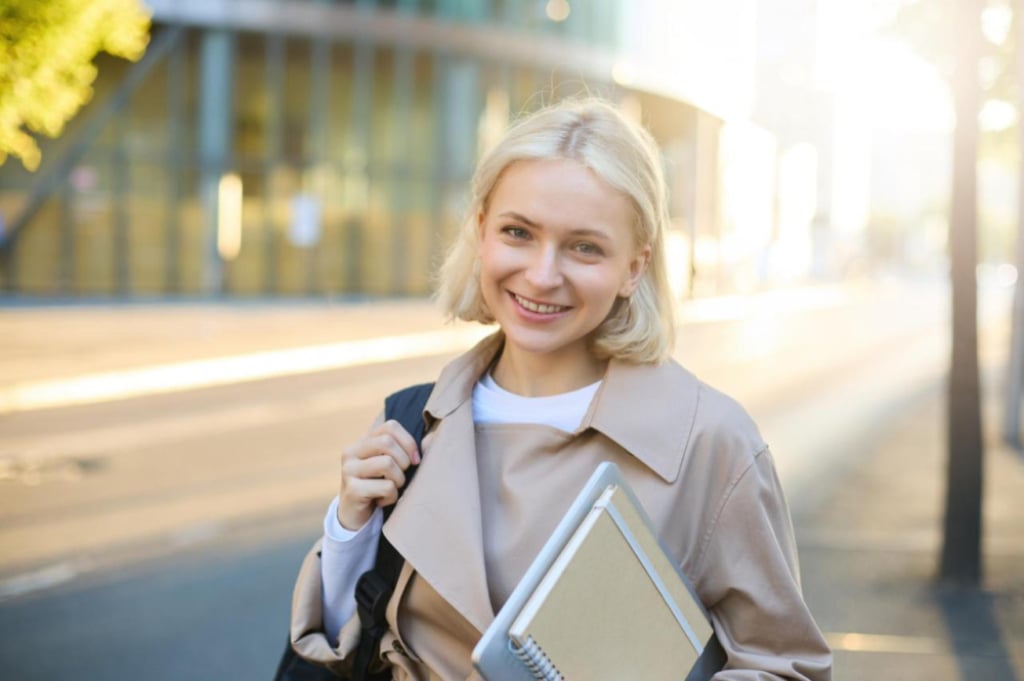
(870, 553)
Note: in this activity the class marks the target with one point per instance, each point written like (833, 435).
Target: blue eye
(516, 232)
(588, 248)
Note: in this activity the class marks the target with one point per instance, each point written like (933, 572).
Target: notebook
(602, 600)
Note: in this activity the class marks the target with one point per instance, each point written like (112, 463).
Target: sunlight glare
(996, 21)
(229, 216)
(557, 10)
(997, 115)
(895, 89)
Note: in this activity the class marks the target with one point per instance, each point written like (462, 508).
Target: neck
(542, 375)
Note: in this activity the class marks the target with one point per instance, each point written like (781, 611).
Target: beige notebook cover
(611, 606)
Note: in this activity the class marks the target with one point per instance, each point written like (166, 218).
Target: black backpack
(374, 588)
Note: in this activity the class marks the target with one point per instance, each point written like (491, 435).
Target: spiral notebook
(601, 601)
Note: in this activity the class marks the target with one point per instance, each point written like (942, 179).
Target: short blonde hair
(623, 154)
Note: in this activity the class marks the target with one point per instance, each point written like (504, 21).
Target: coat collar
(647, 409)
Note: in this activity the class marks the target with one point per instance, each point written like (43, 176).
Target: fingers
(373, 471)
(404, 440)
(375, 468)
(371, 492)
(389, 438)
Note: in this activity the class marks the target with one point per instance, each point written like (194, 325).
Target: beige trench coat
(694, 458)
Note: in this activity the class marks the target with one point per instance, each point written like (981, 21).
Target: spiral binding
(536, 661)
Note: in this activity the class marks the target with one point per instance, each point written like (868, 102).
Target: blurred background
(217, 243)
(265, 148)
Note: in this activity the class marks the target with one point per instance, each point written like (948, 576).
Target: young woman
(563, 248)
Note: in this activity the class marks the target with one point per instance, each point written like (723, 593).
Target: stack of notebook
(602, 600)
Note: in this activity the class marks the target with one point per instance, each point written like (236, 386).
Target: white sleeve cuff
(334, 530)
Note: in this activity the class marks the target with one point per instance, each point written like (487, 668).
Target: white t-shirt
(347, 554)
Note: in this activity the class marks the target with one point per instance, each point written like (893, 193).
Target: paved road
(160, 535)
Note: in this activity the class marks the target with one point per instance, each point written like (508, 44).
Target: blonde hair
(639, 328)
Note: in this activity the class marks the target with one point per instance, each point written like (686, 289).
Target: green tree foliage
(46, 69)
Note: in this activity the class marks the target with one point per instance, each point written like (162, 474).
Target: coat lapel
(437, 526)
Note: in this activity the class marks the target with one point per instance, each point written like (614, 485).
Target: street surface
(158, 536)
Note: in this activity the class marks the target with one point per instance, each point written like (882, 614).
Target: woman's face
(556, 250)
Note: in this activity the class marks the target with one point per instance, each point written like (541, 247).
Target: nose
(544, 270)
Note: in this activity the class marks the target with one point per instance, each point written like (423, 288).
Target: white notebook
(601, 601)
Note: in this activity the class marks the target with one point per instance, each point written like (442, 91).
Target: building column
(216, 132)
(457, 106)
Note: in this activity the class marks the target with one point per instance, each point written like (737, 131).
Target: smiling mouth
(539, 308)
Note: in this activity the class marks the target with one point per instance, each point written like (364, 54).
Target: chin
(537, 344)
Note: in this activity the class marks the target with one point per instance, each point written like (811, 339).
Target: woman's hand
(372, 472)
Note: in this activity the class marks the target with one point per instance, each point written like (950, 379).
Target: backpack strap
(375, 587)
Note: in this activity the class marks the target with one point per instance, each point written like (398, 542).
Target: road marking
(29, 453)
(205, 373)
(43, 578)
(886, 643)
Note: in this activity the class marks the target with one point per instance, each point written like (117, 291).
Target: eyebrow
(582, 231)
(521, 218)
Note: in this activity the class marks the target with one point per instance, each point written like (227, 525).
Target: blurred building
(323, 147)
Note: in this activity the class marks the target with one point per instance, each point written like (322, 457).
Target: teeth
(541, 309)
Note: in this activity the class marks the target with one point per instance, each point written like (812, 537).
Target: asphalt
(869, 552)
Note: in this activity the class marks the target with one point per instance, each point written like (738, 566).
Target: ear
(480, 217)
(637, 267)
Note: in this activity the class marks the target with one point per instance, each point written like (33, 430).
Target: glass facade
(353, 152)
